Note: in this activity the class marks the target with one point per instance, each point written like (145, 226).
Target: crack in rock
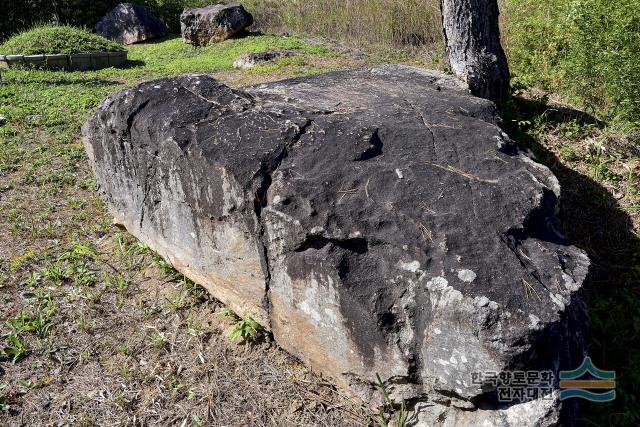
(310, 205)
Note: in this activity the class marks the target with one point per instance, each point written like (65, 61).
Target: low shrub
(20, 15)
(57, 39)
(586, 50)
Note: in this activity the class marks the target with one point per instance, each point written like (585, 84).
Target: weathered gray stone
(376, 221)
(250, 60)
(214, 23)
(129, 23)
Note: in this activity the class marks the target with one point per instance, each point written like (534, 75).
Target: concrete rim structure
(72, 62)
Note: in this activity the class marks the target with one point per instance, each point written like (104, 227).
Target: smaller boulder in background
(214, 23)
(250, 60)
(129, 23)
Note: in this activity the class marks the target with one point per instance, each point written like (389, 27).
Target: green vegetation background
(588, 51)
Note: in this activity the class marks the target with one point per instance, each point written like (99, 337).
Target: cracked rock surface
(376, 221)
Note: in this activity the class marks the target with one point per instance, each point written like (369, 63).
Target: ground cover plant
(57, 39)
(585, 50)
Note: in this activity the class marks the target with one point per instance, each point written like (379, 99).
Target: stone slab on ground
(376, 221)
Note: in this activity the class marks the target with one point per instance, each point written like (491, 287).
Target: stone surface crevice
(315, 205)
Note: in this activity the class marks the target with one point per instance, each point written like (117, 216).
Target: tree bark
(472, 38)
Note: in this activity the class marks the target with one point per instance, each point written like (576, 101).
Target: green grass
(14, 349)
(57, 39)
(391, 413)
(60, 101)
(586, 50)
(45, 109)
(173, 56)
(37, 322)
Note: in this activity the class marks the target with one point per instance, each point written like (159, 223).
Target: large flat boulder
(129, 23)
(211, 24)
(376, 221)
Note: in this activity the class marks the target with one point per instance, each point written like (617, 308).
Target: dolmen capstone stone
(214, 23)
(375, 221)
(129, 23)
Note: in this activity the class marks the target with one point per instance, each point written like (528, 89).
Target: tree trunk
(472, 38)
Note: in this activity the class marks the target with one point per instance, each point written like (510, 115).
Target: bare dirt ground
(114, 336)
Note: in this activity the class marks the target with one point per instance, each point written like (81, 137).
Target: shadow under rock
(593, 220)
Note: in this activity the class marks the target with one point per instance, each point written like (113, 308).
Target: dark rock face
(129, 23)
(376, 221)
(250, 60)
(212, 24)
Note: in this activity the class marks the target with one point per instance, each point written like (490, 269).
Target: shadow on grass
(594, 221)
(169, 36)
(247, 33)
(133, 63)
